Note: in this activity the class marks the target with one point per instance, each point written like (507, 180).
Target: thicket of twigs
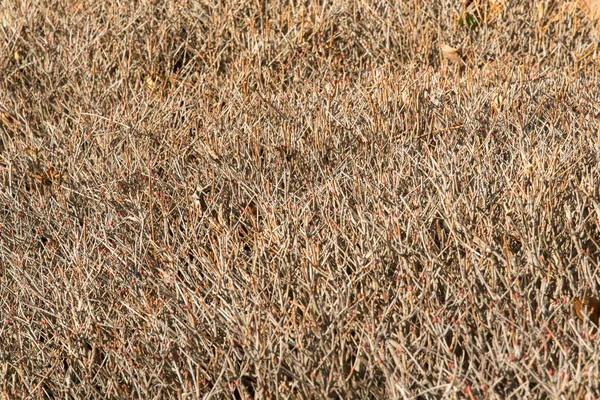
(239, 199)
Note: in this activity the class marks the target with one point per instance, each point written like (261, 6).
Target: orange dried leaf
(594, 6)
(34, 153)
(587, 307)
(149, 83)
(450, 53)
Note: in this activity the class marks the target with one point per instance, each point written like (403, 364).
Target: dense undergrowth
(288, 199)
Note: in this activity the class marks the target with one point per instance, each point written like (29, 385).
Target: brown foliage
(297, 199)
(587, 307)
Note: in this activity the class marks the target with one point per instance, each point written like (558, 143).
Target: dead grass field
(252, 199)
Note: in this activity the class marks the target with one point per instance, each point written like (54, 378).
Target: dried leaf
(149, 83)
(594, 6)
(496, 101)
(587, 307)
(512, 243)
(34, 153)
(450, 53)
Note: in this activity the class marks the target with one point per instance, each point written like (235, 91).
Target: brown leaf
(34, 153)
(594, 6)
(587, 307)
(450, 53)
(512, 243)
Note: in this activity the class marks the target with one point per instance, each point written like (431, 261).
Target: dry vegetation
(238, 199)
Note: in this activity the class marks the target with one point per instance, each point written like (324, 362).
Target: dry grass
(298, 199)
